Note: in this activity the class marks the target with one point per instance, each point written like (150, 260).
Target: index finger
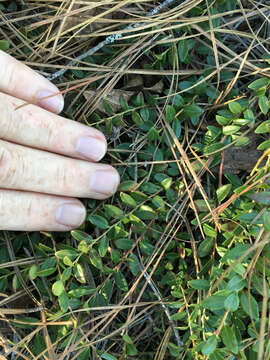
(22, 82)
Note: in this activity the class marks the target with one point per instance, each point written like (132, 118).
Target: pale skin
(46, 161)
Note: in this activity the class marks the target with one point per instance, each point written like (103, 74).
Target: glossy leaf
(253, 311)
(209, 231)
(98, 221)
(128, 200)
(205, 247)
(58, 288)
(210, 346)
(120, 281)
(259, 83)
(230, 129)
(170, 113)
(199, 284)
(263, 128)
(81, 236)
(223, 192)
(79, 273)
(231, 303)
(235, 108)
(263, 104)
(113, 211)
(229, 339)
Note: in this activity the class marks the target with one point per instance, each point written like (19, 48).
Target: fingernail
(104, 182)
(54, 103)
(91, 148)
(71, 215)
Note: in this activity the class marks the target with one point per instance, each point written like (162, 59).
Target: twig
(110, 40)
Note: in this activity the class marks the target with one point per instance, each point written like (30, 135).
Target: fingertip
(71, 214)
(50, 100)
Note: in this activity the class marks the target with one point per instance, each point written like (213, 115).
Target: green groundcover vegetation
(177, 264)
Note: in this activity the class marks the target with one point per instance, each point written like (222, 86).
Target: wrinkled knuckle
(7, 168)
(63, 178)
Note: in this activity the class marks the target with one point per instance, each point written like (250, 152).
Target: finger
(24, 83)
(23, 168)
(32, 126)
(26, 211)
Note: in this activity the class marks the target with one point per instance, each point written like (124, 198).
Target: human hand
(46, 161)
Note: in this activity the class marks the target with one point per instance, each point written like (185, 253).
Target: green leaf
(265, 145)
(107, 107)
(108, 356)
(131, 349)
(205, 247)
(58, 288)
(124, 244)
(210, 345)
(158, 202)
(81, 236)
(134, 263)
(166, 183)
(214, 302)
(261, 197)
(236, 283)
(46, 272)
(67, 261)
(127, 339)
(223, 121)
(266, 220)
(243, 140)
(63, 301)
(128, 185)
(71, 254)
(120, 281)
(231, 303)
(145, 212)
(95, 259)
(128, 200)
(83, 247)
(144, 114)
(82, 291)
(264, 127)
(113, 211)
(248, 114)
(150, 188)
(66, 274)
(79, 273)
(253, 311)
(170, 113)
(236, 252)
(98, 221)
(48, 263)
(230, 129)
(4, 45)
(192, 110)
(103, 246)
(209, 231)
(152, 134)
(178, 316)
(263, 104)
(240, 122)
(223, 192)
(199, 284)
(235, 108)
(33, 272)
(137, 119)
(229, 339)
(183, 50)
(259, 83)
